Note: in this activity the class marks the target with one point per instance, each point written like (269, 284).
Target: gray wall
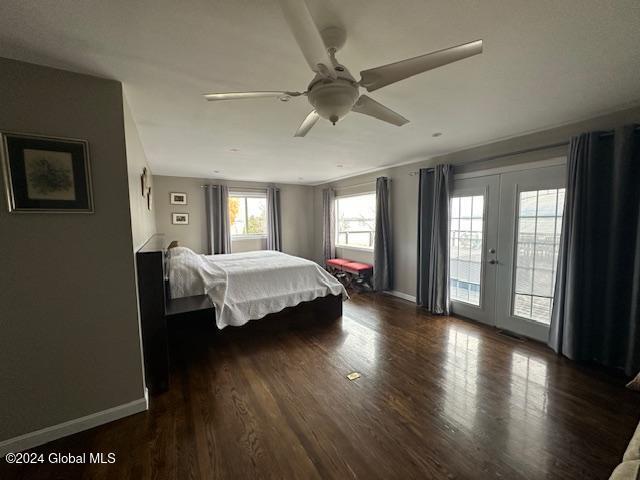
(69, 341)
(404, 186)
(143, 220)
(296, 204)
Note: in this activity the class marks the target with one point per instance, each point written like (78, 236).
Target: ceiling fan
(333, 92)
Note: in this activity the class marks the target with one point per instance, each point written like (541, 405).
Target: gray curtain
(217, 211)
(328, 223)
(274, 223)
(382, 245)
(433, 238)
(596, 307)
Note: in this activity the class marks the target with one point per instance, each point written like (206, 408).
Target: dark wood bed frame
(157, 308)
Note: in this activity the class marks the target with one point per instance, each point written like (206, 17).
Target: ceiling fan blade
(306, 33)
(378, 77)
(368, 106)
(212, 97)
(307, 124)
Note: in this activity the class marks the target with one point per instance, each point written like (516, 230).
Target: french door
(473, 244)
(504, 237)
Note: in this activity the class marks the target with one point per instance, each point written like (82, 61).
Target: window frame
(244, 195)
(337, 223)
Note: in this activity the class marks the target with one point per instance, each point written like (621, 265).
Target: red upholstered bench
(334, 266)
(359, 272)
(337, 262)
(357, 267)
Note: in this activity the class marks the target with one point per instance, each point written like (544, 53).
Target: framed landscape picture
(177, 198)
(46, 174)
(180, 218)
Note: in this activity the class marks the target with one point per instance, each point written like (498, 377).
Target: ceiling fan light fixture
(333, 100)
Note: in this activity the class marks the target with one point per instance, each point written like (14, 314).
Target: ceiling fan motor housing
(333, 99)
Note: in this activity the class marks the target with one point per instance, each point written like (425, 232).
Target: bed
(248, 286)
(178, 285)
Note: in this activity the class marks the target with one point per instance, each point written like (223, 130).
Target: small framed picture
(180, 218)
(46, 174)
(177, 198)
(144, 182)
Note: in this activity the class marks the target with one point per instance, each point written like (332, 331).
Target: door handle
(493, 261)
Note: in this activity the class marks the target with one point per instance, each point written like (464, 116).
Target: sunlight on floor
(461, 377)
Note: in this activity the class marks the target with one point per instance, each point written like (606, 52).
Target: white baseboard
(404, 296)
(48, 434)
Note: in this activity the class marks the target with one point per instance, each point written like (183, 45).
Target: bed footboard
(327, 308)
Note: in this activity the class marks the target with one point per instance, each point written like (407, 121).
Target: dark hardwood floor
(438, 398)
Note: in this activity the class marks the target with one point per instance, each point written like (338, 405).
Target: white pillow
(179, 251)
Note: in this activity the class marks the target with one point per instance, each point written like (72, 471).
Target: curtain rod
(237, 188)
(611, 132)
(523, 151)
(517, 152)
(502, 155)
(357, 184)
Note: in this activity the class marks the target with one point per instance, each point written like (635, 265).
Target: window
(465, 251)
(537, 242)
(248, 214)
(356, 220)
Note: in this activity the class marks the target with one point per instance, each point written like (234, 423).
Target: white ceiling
(545, 63)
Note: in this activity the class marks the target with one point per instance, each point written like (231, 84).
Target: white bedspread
(248, 286)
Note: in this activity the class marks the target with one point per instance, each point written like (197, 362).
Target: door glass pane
(539, 222)
(465, 252)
